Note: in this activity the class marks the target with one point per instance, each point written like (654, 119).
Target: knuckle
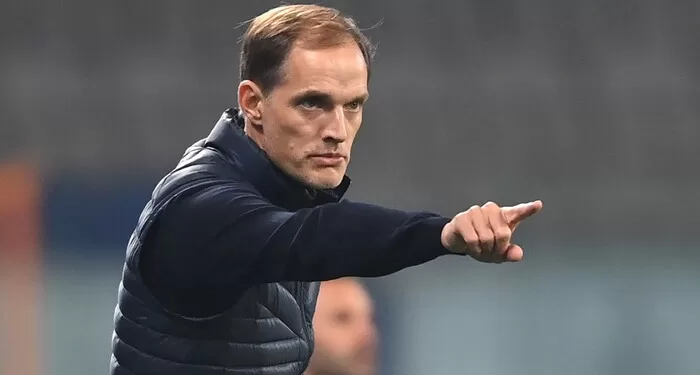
(502, 233)
(471, 240)
(461, 219)
(490, 204)
(466, 216)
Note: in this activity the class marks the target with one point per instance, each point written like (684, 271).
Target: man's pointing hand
(484, 232)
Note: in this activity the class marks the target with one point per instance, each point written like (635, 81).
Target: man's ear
(250, 100)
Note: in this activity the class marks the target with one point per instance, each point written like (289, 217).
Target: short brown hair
(271, 35)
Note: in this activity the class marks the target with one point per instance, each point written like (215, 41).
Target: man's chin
(364, 369)
(324, 184)
(325, 180)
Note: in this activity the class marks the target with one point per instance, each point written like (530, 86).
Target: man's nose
(336, 129)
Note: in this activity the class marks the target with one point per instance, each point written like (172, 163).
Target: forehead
(340, 70)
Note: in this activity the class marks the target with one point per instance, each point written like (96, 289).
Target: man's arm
(226, 237)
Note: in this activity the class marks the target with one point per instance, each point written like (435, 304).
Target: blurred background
(592, 106)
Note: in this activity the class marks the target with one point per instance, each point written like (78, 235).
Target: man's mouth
(328, 159)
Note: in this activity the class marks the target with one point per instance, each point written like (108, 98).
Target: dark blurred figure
(346, 335)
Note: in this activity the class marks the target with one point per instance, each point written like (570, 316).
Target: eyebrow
(312, 93)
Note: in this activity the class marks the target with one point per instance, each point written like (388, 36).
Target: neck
(310, 371)
(252, 134)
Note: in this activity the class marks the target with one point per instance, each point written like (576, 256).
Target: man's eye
(354, 106)
(310, 103)
(342, 318)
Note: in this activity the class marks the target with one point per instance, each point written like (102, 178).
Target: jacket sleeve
(227, 236)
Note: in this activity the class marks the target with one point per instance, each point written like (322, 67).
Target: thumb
(514, 253)
(520, 212)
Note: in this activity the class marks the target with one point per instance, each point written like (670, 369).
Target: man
(221, 271)
(346, 335)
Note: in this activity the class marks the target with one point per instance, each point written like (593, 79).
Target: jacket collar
(228, 137)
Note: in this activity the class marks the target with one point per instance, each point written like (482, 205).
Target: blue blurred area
(88, 217)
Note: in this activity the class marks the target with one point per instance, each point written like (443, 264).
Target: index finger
(520, 212)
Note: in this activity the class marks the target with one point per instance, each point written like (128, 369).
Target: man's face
(308, 122)
(346, 336)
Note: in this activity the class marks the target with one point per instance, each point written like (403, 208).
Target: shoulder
(200, 168)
